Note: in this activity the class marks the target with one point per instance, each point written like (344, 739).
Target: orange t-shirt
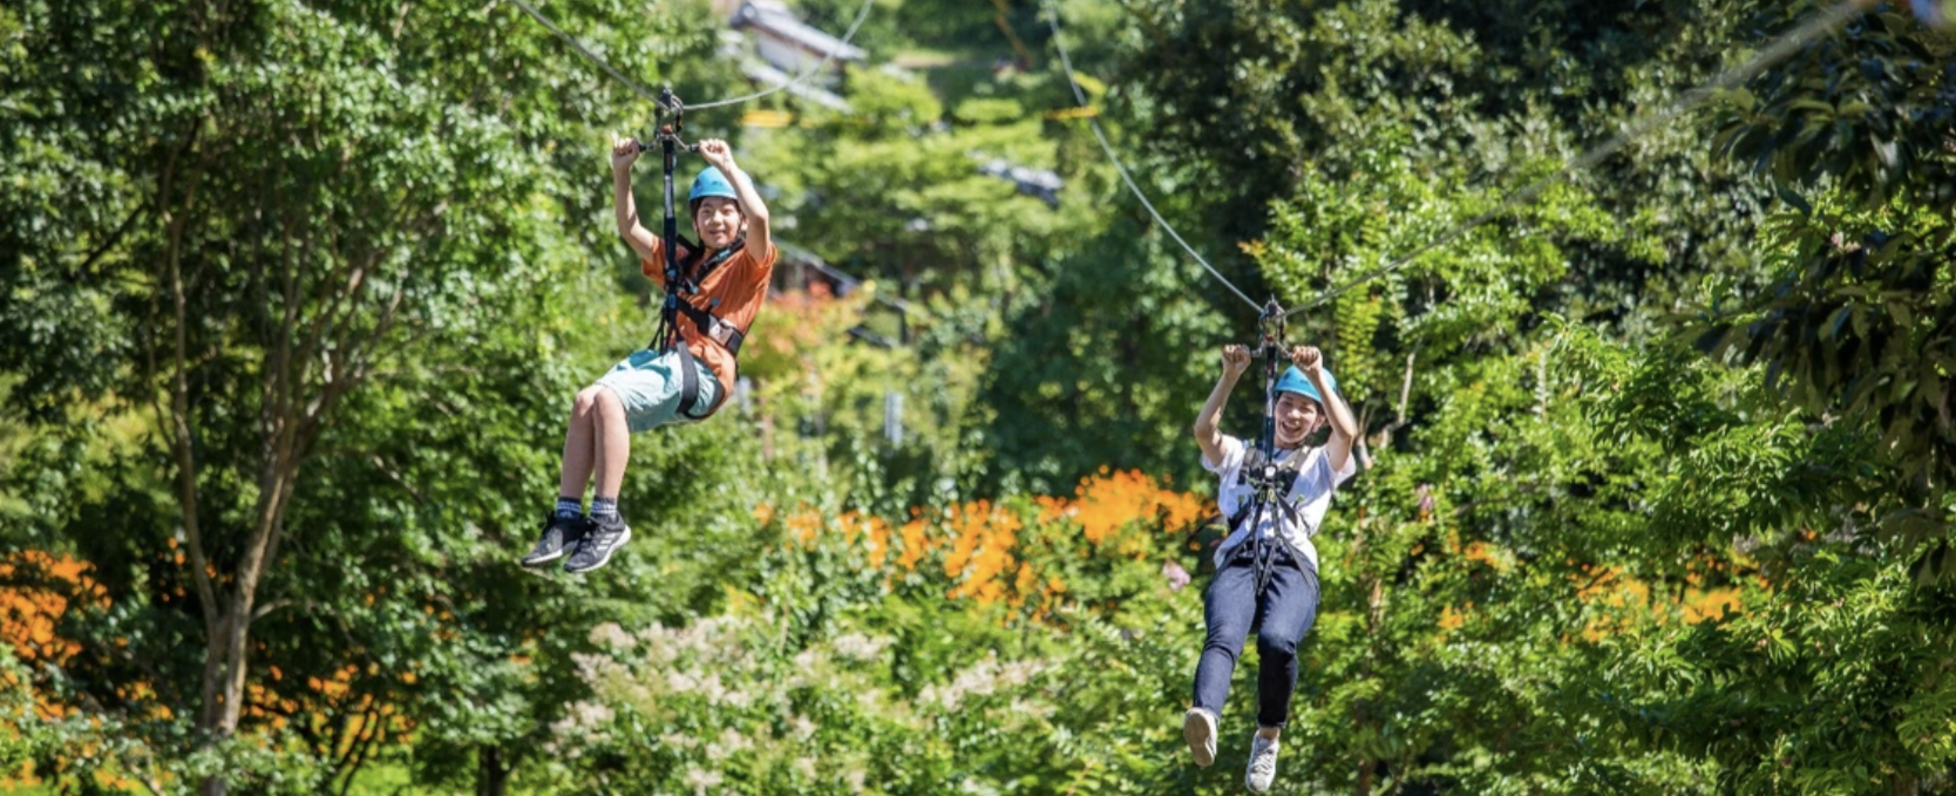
(733, 293)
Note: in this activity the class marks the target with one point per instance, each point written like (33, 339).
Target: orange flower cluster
(983, 546)
(367, 718)
(1601, 584)
(981, 560)
(1107, 502)
(28, 615)
(27, 621)
(330, 706)
(1617, 590)
(806, 525)
(874, 529)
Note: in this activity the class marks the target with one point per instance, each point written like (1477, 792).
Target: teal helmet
(711, 183)
(1293, 380)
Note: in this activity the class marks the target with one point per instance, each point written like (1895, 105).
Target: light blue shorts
(648, 384)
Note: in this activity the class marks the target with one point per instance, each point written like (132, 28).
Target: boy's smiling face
(718, 221)
(1297, 417)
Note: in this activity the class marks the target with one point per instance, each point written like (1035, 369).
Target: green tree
(258, 253)
(1852, 311)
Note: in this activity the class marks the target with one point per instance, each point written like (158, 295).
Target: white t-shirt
(1310, 493)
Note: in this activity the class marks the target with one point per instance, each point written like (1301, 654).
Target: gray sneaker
(560, 534)
(1263, 764)
(1199, 729)
(603, 538)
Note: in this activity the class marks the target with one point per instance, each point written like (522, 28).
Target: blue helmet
(711, 183)
(1293, 380)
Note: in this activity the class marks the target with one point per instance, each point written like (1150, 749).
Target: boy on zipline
(726, 281)
(1267, 575)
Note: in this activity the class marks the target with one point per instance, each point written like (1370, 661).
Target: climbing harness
(685, 273)
(1270, 480)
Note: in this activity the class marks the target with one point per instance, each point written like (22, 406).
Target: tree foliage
(1656, 453)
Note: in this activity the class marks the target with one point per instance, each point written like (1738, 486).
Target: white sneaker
(1199, 729)
(1263, 764)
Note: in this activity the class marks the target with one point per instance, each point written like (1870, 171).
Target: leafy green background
(1658, 463)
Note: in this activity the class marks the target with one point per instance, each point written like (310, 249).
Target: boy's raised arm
(719, 155)
(623, 152)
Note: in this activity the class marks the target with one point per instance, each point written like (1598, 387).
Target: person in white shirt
(1266, 568)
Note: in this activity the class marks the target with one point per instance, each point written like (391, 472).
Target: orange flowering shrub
(28, 618)
(1694, 603)
(28, 615)
(1604, 586)
(982, 559)
(1005, 553)
(806, 526)
(1106, 502)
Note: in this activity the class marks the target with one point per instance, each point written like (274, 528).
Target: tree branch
(395, 476)
(358, 751)
(325, 325)
(180, 424)
(329, 300)
(1399, 420)
(357, 356)
(74, 275)
(267, 608)
(1405, 391)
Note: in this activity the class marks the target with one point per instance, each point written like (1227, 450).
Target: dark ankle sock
(604, 507)
(570, 506)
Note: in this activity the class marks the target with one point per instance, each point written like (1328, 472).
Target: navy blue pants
(1281, 616)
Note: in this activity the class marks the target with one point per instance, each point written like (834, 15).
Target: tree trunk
(491, 776)
(218, 696)
(210, 718)
(219, 617)
(308, 362)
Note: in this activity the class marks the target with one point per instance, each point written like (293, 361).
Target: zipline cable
(1081, 97)
(592, 57)
(1779, 50)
